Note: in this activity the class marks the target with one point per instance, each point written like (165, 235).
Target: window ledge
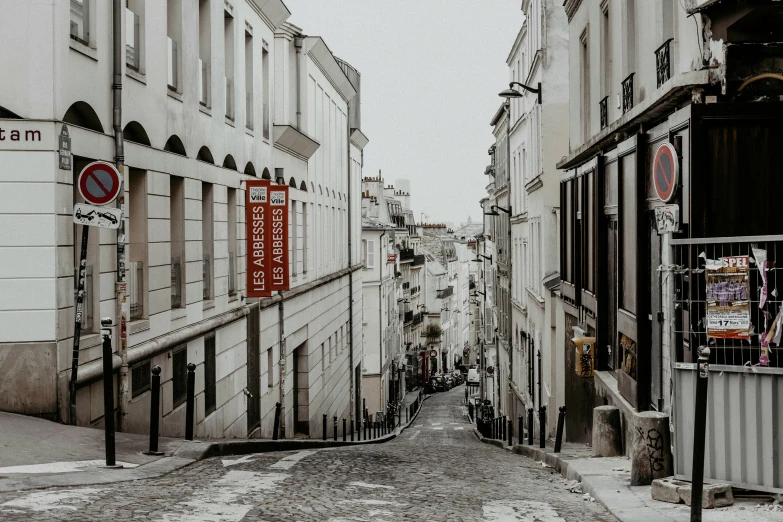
(233, 298)
(139, 77)
(206, 110)
(138, 326)
(173, 94)
(209, 304)
(178, 313)
(249, 132)
(230, 122)
(86, 50)
(534, 184)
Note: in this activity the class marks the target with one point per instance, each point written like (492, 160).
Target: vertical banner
(728, 304)
(257, 221)
(278, 206)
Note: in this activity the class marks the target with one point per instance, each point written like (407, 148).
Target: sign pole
(77, 329)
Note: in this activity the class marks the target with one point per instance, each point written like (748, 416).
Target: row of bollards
(502, 428)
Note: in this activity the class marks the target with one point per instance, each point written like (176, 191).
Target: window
(232, 241)
(627, 233)
(270, 363)
(174, 32)
(585, 59)
(180, 375)
(80, 21)
(210, 388)
(294, 235)
(606, 53)
(140, 378)
(323, 357)
(369, 253)
(304, 237)
(134, 16)
(177, 235)
(207, 227)
(137, 272)
(265, 90)
(204, 51)
(589, 224)
(249, 77)
(228, 35)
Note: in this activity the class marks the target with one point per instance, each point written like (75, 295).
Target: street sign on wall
(65, 148)
(665, 172)
(278, 236)
(99, 183)
(92, 216)
(257, 221)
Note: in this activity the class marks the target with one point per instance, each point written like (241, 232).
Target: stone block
(651, 454)
(607, 435)
(676, 491)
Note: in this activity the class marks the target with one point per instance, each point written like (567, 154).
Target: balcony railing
(408, 317)
(418, 260)
(232, 274)
(406, 255)
(136, 289)
(176, 282)
(229, 99)
(132, 55)
(207, 277)
(203, 83)
(628, 93)
(173, 58)
(603, 108)
(406, 286)
(662, 63)
(418, 318)
(445, 292)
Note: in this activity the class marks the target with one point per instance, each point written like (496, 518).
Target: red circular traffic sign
(99, 183)
(665, 172)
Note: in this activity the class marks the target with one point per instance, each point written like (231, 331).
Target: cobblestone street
(436, 470)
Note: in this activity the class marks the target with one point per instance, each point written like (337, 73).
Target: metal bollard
(344, 431)
(530, 426)
(466, 394)
(510, 432)
(108, 393)
(699, 432)
(542, 427)
(351, 430)
(154, 411)
(365, 429)
(334, 428)
(324, 426)
(276, 426)
(503, 425)
(190, 407)
(559, 434)
(521, 435)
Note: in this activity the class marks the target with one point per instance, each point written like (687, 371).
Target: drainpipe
(281, 311)
(352, 389)
(121, 290)
(380, 307)
(298, 45)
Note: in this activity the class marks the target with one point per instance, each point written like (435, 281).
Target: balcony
(418, 260)
(408, 317)
(445, 292)
(406, 255)
(418, 318)
(628, 93)
(173, 59)
(603, 109)
(662, 63)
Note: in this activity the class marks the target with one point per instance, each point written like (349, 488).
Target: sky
(431, 71)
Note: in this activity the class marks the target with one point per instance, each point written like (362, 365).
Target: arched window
(134, 132)
(250, 170)
(292, 182)
(82, 115)
(229, 162)
(205, 155)
(303, 186)
(175, 146)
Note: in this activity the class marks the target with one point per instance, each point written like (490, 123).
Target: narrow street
(437, 470)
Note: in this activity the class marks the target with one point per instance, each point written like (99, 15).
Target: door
(655, 316)
(253, 369)
(611, 294)
(301, 391)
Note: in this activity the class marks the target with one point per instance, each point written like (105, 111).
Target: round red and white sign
(99, 183)
(665, 172)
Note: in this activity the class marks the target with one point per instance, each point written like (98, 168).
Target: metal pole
(77, 330)
(154, 411)
(521, 429)
(510, 432)
(108, 393)
(191, 401)
(542, 427)
(699, 432)
(334, 428)
(324, 427)
(351, 430)
(559, 434)
(345, 432)
(276, 426)
(530, 426)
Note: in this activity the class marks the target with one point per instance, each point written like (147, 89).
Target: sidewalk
(608, 481)
(37, 453)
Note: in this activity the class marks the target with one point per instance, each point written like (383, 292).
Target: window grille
(140, 378)
(628, 93)
(604, 110)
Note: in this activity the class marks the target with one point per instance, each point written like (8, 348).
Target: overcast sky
(431, 71)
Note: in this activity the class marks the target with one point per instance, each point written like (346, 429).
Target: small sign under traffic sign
(92, 216)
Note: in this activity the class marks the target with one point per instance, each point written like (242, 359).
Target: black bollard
(559, 433)
(699, 432)
(324, 426)
(154, 411)
(351, 430)
(108, 393)
(530, 426)
(521, 435)
(334, 428)
(365, 429)
(344, 431)
(190, 406)
(503, 424)
(466, 394)
(510, 432)
(542, 427)
(276, 426)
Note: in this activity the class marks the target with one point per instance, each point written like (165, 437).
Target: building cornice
(517, 43)
(274, 13)
(323, 58)
(571, 7)
(359, 139)
(498, 115)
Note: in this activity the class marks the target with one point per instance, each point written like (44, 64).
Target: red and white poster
(258, 223)
(728, 304)
(278, 237)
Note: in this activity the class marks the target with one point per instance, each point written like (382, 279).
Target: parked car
(439, 383)
(473, 376)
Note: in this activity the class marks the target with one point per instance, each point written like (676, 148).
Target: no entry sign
(665, 172)
(99, 183)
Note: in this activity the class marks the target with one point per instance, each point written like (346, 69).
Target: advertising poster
(728, 300)
(257, 218)
(278, 237)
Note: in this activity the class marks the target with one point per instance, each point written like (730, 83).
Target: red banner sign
(258, 223)
(278, 236)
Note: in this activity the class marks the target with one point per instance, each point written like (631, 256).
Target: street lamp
(491, 213)
(512, 93)
(477, 260)
(495, 208)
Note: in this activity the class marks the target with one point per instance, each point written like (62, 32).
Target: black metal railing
(418, 318)
(445, 292)
(603, 108)
(406, 254)
(418, 260)
(409, 317)
(628, 93)
(662, 62)
(406, 286)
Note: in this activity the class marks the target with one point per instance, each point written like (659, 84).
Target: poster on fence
(728, 298)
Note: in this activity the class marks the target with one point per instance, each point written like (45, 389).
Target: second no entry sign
(664, 171)
(99, 183)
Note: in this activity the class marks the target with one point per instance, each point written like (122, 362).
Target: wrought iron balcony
(662, 62)
(406, 286)
(603, 107)
(445, 292)
(418, 260)
(418, 318)
(406, 255)
(628, 93)
(408, 317)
